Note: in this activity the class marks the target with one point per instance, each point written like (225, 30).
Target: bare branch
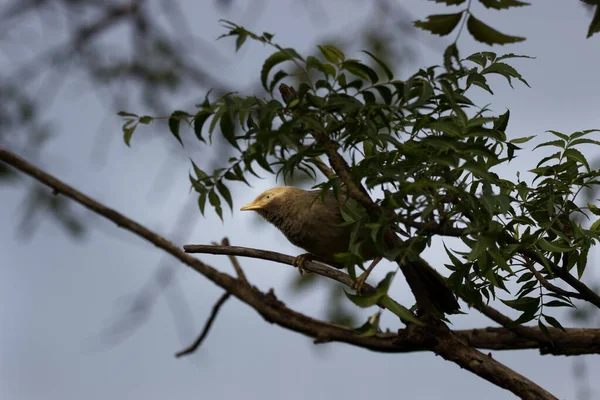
(194, 346)
(309, 266)
(325, 170)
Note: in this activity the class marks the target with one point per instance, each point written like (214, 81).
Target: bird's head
(271, 199)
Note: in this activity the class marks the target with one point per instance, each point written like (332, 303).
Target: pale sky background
(57, 295)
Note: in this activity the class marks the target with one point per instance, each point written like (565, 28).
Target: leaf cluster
(427, 153)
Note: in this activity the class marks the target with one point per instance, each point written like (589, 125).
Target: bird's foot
(299, 261)
(360, 281)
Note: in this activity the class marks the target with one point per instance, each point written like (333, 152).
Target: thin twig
(236, 264)
(549, 286)
(325, 170)
(215, 310)
(586, 293)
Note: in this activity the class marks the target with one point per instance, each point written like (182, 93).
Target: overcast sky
(58, 295)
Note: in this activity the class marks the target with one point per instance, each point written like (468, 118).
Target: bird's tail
(434, 288)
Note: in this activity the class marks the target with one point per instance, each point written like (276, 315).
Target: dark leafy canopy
(425, 151)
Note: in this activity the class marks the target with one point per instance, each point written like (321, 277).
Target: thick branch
(574, 341)
(436, 338)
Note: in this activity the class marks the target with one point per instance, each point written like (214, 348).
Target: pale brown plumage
(313, 224)
(305, 220)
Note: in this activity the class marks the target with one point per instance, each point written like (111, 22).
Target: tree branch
(437, 338)
(549, 286)
(310, 266)
(574, 341)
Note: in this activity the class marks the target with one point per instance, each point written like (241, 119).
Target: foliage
(444, 24)
(425, 151)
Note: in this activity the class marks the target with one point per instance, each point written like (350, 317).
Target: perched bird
(313, 223)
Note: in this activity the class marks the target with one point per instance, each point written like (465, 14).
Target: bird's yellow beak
(250, 206)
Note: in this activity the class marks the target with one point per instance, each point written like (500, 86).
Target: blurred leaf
(486, 34)
(384, 67)
(332, 54)
(441, 24)
(276, 58)
(503, 4)
(595, 24)
(175, 121)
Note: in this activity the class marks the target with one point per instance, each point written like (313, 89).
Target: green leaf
(505, 70)
(216, 203)
(273, 60)
(560, 135)
(225, 193)
(174, 121)
(554, 322)
(524, 139)
(146, 119)
(371, 327)
(202, 201)
(128, 130)
(577, 142)
(228, 129)
(370, 299)
(488, 35)
(524, 304)
(363, 301)
(595, 24)
(440, 24)
(557, 303)
(399, 310)
(239, 41)
(561, 144)
(574, 154)
(477, 79)
(200, 175)
(315, 63)
(553, 246)
(582, 261)
(450, 53)
(384, 67)
(593, 209)
(126, 114)
(501, 122)
(359, 69)
(385, 93)
(451, 2)
(502, 4)
(544, 329)
(332, 54)
(199, 121)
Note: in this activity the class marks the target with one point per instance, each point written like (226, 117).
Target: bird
(312, 220)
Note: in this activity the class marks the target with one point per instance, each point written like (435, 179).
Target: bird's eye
(268, 196)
